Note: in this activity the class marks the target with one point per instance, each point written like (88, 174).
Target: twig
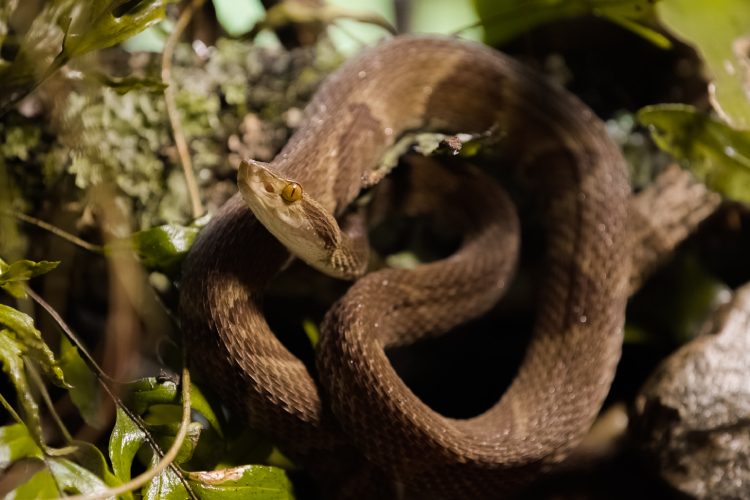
(54, 230)
(105, 380)
(10, 410)
(174, 115)
(164, 462)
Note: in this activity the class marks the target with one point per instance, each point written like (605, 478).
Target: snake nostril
(269, 188)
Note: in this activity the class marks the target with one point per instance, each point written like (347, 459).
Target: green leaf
(22, 326)
(24, 270)
(12, 363)
(124, 85)
(74, 479)
(504, 20)
(15, 443)
(247, 481)
(13, 288)
(161, 248)
(163, 421)
(77, 373)
(165, 486)
(108, 22)
(92, 460)
(713, 152)
(123, 445)
(715, 29)
(150, 391)
(41, 486)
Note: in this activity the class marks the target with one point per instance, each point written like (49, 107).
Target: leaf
(124, 85)
(123, 445)
(163, 421)
(716, 29)
(713, 152)
(72, 478)
(12, 275)
(150, 391)
(33, 346)
(92, 460)
(504, 20)
(165, 486)
(247, 481)
(15, 443)
(83, 381)
(108, 22)
(12, 363)
(41, 486)
(161, 248)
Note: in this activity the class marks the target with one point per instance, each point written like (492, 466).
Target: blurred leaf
(716, 29)
(22, 326)
(15, 443)
(165, 486)
(12, 275)
(504, 20)
(161, 248)
(311, 330)
(72, 478)
(256, 481)
(148, 392)
(163, 421)
(92, 460)
(124, 85)
(84, 382)
(41, 486)
(713, 152)
(107, 22)
(12, 363)
(123, 445)
(7, 7)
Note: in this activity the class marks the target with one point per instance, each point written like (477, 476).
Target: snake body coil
(558, 146)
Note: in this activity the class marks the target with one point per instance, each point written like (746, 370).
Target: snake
(355, 412)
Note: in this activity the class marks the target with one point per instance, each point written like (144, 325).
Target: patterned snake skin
(552, 142)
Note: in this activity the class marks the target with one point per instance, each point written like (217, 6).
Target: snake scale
(555, 144)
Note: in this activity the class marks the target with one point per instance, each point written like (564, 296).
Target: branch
(98, 249)
(174, 115)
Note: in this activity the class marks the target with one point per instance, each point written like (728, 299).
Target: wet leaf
(165, 486)
(23, 331)
(77, 373)
(124, 85)
(104, 23)
(504, 20)
(123, 445)
(709, 148)
(15, 443)
(247, 481)
(41, 486)
(74, 479)
(720, 32)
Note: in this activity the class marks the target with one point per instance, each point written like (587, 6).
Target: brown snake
(559, 147)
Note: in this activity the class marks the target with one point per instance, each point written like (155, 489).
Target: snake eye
(292, 192)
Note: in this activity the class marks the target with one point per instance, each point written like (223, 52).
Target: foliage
(709, 148)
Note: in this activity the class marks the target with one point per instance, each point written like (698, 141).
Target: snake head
(272, 198)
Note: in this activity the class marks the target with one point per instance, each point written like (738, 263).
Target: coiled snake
(557, 145)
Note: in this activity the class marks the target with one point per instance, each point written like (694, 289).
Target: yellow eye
(292, 192)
